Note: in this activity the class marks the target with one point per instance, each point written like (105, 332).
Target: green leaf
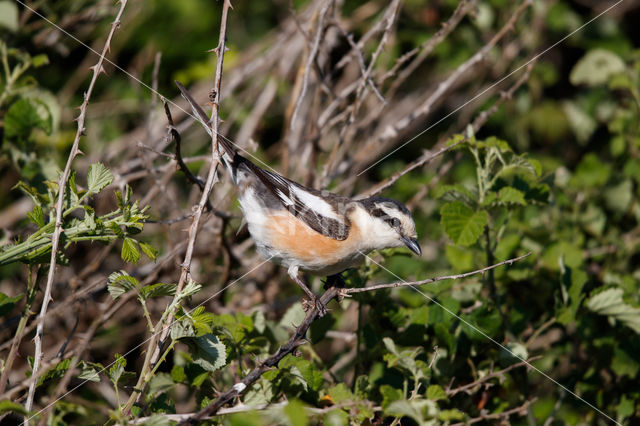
(510, 195)
(160, 382)
(7, 303)
(120, 282)
(88, 372)
(116, 370)
(158, 290)
(295, 413)
(619, 196)
(596, 67)
(149, 251)
(98, 178)
(207, 351)
(340, 393)
(611, 304)
(581, 123)
(36, 216)
(55, 372)
(293, 317)
(435, 393)
(24, 116)
(462, 224)
(8, 406)
(389, 395)
(9, 15)
(40, 60)
(130, 251)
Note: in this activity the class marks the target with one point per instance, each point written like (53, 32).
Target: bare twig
(393, 131)
(424, 50)
(521, 410)
(430, 280)
(55, 241)
(470, 386)
(158, 341)
(310, 60)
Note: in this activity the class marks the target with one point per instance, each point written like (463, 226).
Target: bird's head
(390, 224)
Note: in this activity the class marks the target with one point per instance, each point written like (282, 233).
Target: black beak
(413, 245)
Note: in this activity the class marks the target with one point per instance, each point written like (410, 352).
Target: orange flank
(292, 235)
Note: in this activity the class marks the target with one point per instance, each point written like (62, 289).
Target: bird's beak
(413, 245)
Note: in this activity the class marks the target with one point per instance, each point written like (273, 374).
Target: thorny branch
(298, 338)
(62, 183)
(158, 341)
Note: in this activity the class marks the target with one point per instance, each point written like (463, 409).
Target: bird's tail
(227, 153)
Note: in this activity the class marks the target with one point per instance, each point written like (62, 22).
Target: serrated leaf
(207, 352)
(116, 370)
(55, 372)
(36, 216)
(149, 251)
(7, 303)
(88, 372)
(611, 304)
(24, 116)
(120, 282)
(158, 290)
(160, 382)
(98, 178)
(435, 393)
(596, 67)
(130, 251)
(462, 224)
(510, 195)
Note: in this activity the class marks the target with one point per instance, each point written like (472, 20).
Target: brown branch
(159, 340)
(310, 61)
(425, 158)
(340, 147)
(521, 410)
(62, 183)
(482, 118)
(477, 124)
(354, 290)
(467, 388)
(426, 48)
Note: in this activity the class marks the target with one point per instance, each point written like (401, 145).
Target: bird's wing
(324, 213)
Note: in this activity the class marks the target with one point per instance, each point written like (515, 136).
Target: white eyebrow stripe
(388, 211)
(315, 204)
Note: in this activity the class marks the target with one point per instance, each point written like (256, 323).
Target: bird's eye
(394, 222)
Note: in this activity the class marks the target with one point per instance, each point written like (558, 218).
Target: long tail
(229, 152)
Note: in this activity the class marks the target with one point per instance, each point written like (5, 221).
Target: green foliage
(122, 223)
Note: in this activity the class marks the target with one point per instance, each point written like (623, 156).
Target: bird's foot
(342, 293)
(314, 303)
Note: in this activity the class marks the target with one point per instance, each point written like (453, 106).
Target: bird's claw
(314, 302)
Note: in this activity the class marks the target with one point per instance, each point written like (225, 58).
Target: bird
(305, 229)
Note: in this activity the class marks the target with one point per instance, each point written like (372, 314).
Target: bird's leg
(313, 299)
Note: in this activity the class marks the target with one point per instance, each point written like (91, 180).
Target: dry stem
(55, 241)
